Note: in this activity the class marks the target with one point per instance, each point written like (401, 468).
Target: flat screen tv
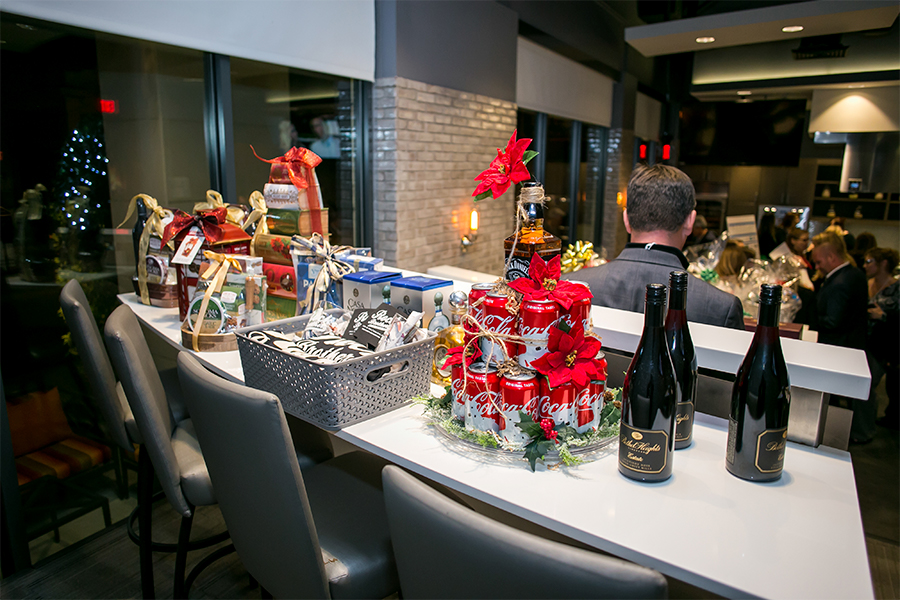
(767, 133)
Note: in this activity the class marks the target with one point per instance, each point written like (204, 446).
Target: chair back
(144, 390)
(245, 440)
(445, 550)
(99, 370)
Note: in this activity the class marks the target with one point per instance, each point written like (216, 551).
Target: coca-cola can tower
(536, 317)
(457, 393)
(588, 405)
(482, 397)
(517, 393)
(580, 311)
(497, 319)
(557, 404)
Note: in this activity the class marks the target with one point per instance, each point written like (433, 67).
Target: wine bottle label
(643, 450)
(518, 267)
(684, 419)
(732, 440)
(770, 447)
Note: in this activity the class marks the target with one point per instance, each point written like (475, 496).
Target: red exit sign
(109, 107)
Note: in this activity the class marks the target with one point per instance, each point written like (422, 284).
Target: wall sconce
(469, 238)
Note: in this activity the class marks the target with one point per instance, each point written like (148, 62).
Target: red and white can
(517, 393)
(482, 397)
(457, 392)
(557, 404)
(497, 319)
(588, 405)
(479, 290)
(580, 311)
(536, 317)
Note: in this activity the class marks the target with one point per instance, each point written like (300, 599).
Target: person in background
(794, 247)
(700, 233)
(766, 234)
(849, 240)
(659, 216)
(883, 342)
(841, 312)
(789, 221)
(864, 242)
(733, 259)
(327, 145)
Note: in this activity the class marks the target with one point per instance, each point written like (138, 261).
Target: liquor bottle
(684, 359)
(760, 400)
(386, 295)
(449, 337)
(649, 397)
(439, 320)
(533, 239)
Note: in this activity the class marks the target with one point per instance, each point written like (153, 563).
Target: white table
(801, 537)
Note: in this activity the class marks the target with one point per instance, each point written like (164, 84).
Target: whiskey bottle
(449, 337)
(533, 239)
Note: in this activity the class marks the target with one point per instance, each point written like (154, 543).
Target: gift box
(154, 284)
(417, 294)
(361, 262)
(273, 249)
(364, 289)
(282, 280)
(193, 235)
(297, 168)
(303, 222)
(278, 308)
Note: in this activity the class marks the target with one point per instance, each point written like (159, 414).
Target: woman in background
(883, 340)
(733, 259)
(864, 242)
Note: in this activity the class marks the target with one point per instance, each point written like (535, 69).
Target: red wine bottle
(684, 359)
(760, 400)
(649, 397)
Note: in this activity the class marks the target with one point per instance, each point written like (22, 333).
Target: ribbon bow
(235, 214)
(152, 226)
(295, 159)
(578, 256)
(259, 212)
(218, 269)
(333, 269)
(209, 221)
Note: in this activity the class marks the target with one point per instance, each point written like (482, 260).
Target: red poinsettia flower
(543, 282)
(454, 356)
(508, 168)
(571, 357)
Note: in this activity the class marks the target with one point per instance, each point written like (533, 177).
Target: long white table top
(801, 537)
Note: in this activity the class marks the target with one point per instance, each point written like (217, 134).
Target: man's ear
(625, 219)
(688, 225)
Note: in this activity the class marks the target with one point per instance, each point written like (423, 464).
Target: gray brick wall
(429, 144)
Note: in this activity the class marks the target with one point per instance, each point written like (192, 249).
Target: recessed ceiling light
(744, 92)
(856, 87)
(705, 40)
(744, 100)
(792, 28)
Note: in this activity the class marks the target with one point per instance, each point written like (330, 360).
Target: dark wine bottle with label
(684, 359)
(649, 397)
(760, 400)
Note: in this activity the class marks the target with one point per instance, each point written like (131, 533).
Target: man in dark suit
(660, 216)
(841, 304)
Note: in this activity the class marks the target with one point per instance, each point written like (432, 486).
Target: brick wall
(430, 142)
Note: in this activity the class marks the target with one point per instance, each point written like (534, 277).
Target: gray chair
(445, 550)
(320, 533)
(170, 448)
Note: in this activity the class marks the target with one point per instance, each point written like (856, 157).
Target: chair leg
(121, 473)
(184, 538)
(145, 518)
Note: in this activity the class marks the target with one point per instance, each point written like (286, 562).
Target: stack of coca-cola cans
(488, 401)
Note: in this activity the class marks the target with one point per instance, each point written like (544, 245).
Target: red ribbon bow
(209, 221)
(295, 159)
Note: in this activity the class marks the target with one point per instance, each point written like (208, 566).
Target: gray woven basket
(335, 396)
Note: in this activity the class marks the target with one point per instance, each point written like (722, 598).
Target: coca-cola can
(579, 312)
(517, 393)
(588, 405)
(482, 397)
(557, 404)
(479, 290)
(536, 317)
(457, 392)
(497, 319)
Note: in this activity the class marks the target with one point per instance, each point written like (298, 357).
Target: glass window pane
(556, 178)
(526, 125)
(590, 184)
(277, 108)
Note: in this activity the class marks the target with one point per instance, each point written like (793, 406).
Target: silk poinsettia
(543, 283)
(454, 356)
(571, 356)
(508, 168)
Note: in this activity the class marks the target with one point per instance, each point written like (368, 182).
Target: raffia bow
(152, 226)
(258, 213)
(218, 268)
(333, 269)
(234, 214)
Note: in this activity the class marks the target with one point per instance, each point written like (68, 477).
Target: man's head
(829, 252)
(660, 201)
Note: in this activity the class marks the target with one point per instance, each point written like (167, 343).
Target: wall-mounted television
(767, 133)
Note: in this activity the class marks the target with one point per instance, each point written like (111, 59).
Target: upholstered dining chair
(321, 533)
(446, 550)
(170, 448)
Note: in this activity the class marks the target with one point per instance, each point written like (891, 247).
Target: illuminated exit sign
(109, 107)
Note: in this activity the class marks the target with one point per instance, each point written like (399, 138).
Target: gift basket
(155, 282)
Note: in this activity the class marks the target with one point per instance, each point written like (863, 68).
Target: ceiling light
(744, 93)
(705, 40)
(855, 87)
(792, 28)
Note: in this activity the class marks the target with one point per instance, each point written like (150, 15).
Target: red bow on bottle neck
(295, 159)
(209, 221)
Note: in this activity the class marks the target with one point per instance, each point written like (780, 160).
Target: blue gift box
(364, 289)
(417, 294)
